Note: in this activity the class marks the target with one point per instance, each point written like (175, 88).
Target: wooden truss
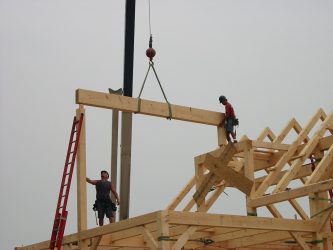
(267, 170)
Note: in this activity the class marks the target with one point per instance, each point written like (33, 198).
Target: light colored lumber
(184, 238)
(95, 242)
(182, 194)
(286, 156)
(292, 194)
(205, 186)
(149, 239)
(299, 209)
(162, 230)
(270, 145)
(300, 241)
(237, 234)
(234, 221)
(81, 179)
(307, 150)
(130, 105)
(306, 170)
(231, 176)
(257, 239)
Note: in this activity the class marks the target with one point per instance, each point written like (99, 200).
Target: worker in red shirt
(229, 120)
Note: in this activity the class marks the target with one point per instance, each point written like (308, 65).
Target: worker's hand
(118, 203)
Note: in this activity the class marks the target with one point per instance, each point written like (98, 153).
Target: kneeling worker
(103, 203)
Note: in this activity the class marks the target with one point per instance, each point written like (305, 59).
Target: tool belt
(104, 204)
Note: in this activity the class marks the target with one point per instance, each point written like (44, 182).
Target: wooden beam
(228, 174)
(286, 156)
(81, 180)
(182, 194)
(163, 230)
(307, 150)
(184, 238)
(257, 239)
(149, 238)
(130, 105)
(234, 221)
(300, 241)
(292, 194)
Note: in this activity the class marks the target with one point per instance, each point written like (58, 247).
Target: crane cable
(150, 53)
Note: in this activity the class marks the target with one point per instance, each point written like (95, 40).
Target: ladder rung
(73, 141)
(69, 163)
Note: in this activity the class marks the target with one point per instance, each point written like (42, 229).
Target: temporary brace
(151, 65)
(61, 213)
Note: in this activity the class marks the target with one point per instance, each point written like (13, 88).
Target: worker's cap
(222, 98)
(104, 172)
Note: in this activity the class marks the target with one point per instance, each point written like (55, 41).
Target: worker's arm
(113, 190)
(93, 182)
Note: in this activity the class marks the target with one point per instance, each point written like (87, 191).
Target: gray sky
(272, 59)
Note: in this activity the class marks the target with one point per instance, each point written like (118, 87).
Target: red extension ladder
(61, 213)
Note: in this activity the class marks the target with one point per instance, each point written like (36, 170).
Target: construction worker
(103, 203)
(229, 121)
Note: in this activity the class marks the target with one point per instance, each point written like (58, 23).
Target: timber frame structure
(267, 170)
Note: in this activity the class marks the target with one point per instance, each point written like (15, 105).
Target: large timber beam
(242, 222)
(159, 109)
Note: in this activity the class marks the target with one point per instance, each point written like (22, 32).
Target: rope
(151, 65)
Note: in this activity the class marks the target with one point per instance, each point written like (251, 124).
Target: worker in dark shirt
(229, 121)
(103, 203)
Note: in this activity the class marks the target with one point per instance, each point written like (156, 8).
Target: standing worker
(230, 119)
(103, 203)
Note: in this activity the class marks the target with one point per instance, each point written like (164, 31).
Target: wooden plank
(95, 242)
(257, 239)
(306, 170)
(149, 239)
(300, 241)
(163, 230)
(234, 221)
(270, 145)
(206, 185)
(299, 209)
(182, 194)
(307, 150)
(286, 156)
(237, 234)
(81, 180)
(184, 238)
(292, 194)
(130, 105)
(231, 176)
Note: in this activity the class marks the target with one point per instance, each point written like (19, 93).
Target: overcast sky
(272, 59)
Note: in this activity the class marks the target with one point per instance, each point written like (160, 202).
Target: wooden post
(114, 149)
(81, 180)
(221, 136)
(249, 173)
(125, 170)
(163, 231)
(318, 202)
(199, 175)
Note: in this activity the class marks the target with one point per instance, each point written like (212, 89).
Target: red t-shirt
(229, 111)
